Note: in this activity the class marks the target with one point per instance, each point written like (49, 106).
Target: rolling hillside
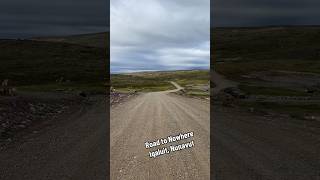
(239, 51)
(72, 62)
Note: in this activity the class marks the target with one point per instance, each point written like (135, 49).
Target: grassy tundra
(160, 81)
(55, 63)
(277, 67)
(239, 51)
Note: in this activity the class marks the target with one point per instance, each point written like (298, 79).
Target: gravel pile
(116, 97)
(17, 113)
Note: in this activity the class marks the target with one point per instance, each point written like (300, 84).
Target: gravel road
(254, 147)
(156, 115)
(71, 148)
(251, 146)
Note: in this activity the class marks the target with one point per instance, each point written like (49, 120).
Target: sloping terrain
(28, 63)
(240, 51)
(265, 126)
(54, 124)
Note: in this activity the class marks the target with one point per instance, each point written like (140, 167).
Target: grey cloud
(159, 34)
(265, 12)
(21, 18)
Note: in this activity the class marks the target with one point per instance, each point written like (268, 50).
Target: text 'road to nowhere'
(173, 139)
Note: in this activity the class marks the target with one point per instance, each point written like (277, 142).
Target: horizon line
(139, 71)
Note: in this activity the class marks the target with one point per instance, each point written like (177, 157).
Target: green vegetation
(158, 81)
(270, 91)
(239, 51)
(131, 82)
(37, 65)
(248, 51)
(197, 93)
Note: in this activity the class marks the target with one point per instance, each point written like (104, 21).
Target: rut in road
(157, 115)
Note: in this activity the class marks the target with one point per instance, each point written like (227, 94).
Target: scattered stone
(24, 122)
(117, 97)
(83, 94)
(19, 112)
(21, 126)
(32, 109)
(235, 92)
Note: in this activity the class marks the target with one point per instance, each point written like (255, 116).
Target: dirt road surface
(255, 147)
(73, 148)
(178, 87)
(157, 115)
(221, 82)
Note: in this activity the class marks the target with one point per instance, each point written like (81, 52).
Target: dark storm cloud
(264, 12)
(20, 18)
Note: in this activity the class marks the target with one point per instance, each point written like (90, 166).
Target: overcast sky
(25, 18)
(29, 18)
(265, 12)
(148, 35)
